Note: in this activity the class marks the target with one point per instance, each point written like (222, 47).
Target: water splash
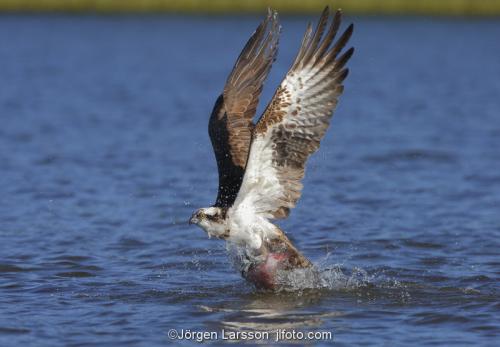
(325, 276)
(333, 278)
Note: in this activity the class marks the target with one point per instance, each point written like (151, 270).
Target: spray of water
(323, 275)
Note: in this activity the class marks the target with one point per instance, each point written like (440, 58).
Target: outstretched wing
(294, 122)
(230, 127)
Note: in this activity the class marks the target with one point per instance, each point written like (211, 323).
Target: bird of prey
(261, 165)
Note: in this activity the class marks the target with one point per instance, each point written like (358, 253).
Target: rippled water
(104, 154)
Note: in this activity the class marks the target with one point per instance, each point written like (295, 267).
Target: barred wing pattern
(230, 126)
(294, 122)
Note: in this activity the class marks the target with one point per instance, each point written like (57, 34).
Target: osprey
(261, 165)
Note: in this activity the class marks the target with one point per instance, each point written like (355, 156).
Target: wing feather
(295, 121)
(230, 127)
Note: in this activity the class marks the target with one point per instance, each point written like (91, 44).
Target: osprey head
(212, 220)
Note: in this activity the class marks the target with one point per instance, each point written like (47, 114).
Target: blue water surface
(104, 154)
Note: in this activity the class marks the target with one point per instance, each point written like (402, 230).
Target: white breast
(247, 228)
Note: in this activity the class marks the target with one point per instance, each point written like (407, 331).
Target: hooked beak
(194, 219)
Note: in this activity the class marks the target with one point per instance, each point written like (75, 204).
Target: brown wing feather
(295, 121)
(230, 127)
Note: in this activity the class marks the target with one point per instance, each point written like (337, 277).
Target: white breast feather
(248, 220)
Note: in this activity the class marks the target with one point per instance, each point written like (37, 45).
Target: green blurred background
(372, 7)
